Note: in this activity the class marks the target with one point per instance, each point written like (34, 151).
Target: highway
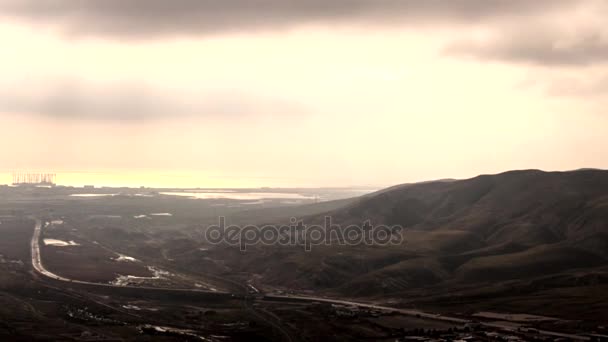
(407, 312)
(37, 258)
(39, 267)
(417, 313)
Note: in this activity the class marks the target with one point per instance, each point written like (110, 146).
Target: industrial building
(34, 179)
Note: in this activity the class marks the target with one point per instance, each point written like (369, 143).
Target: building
(34, 179)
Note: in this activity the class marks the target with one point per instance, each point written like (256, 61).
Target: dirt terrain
(125, 274)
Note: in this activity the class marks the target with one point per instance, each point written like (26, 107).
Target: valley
(519, 254)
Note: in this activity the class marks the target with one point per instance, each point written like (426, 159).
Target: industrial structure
(42, 179)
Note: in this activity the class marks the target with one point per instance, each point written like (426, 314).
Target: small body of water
(161, 214)
(122, 257)
(238, 195)
(59, 243)
(157, 273)
(91, 195)
(259, 197)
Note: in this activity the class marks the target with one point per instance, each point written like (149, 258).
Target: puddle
(59, 243)
(160, 330)
(124, 280)
(137, 308)
(122, 257)
(131, 307)
(205, 286)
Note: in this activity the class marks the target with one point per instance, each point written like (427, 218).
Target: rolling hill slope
(514, 226)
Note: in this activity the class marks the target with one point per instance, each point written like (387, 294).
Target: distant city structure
(42, 179)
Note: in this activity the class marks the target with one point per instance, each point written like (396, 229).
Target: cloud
(543, 32)
(552, 48)
(151, 18)
(574, 36)
(136, 102)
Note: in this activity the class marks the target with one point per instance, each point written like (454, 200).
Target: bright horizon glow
(192, 181)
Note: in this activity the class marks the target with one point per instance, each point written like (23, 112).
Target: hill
(511, 227)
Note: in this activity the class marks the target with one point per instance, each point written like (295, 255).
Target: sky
(246, 93)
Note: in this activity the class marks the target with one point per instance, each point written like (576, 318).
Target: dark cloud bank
(154, 19)
(536, 47)
(137, 102)
(145, 18)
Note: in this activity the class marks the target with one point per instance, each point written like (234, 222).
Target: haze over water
(183, 180)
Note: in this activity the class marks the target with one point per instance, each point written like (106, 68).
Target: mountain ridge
(513, 226)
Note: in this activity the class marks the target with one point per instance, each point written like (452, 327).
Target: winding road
(39, 267)
(37, 258)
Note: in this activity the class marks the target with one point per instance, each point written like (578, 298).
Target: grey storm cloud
(136, 102)
(125, 19)
(533, 47)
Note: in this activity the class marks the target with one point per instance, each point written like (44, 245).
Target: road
(417, 313)
(39, 267)
(407, 312)
(37, 258)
